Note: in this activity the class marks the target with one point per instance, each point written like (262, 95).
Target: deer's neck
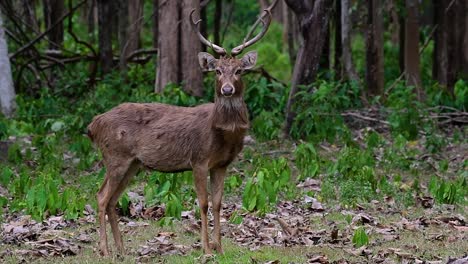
(230, 114)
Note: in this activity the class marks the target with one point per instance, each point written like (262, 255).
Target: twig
(140, 52)
(261, 70)
(367, 118)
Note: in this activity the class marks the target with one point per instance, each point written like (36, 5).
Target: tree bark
(346, 43)
(374, 48)
(155, 20)
(464, 42)
(135, 20)
(440, 61)
(192, 77)
(413, 72)
(7, 91)
(217, 22)
(167, 70)
(313, 20)
(290, 33)
(105, 34)
(123, 15)
(53, 11)
(338, 49)
(29, 13)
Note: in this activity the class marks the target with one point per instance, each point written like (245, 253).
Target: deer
(167, 138)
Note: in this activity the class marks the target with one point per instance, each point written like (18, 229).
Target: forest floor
(306, 229)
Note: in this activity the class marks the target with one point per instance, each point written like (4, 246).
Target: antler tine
(216, 48)
(237, 50)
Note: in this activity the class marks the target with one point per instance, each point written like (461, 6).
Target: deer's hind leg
(116, 170)
(111, 210)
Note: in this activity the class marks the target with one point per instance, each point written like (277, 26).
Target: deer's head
(228, 71)
(228, 68)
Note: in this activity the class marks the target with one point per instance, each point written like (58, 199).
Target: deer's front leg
(200, 175)
(217, 185)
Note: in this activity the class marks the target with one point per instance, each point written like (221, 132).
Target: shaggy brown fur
(167, 138)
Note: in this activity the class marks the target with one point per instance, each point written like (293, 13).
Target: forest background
(357, 148)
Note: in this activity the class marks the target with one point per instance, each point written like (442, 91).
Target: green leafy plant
(307, 160)
(263, 188)
(360, 238)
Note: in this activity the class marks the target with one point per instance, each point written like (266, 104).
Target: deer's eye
(238, 72)
(218, 72)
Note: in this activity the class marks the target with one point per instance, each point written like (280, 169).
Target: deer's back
(160, 136)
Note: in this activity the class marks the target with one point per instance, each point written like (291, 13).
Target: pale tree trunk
(413, 73)
(105, 14)
(7, 91)
(168, 46)
(346, 43)
(374, 48)
(191, 72)
(313, 20)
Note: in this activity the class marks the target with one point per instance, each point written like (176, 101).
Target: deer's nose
(227, 90)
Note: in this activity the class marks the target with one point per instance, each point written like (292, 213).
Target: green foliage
(448, 192)
(360, 238)
(170, 189)
(268, 180)
(404, 114)
(319, 116)
(307, 161)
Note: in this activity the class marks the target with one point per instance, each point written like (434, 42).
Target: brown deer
(167, 138)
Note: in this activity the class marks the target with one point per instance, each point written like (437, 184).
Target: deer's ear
(207, 61)
(249, 60)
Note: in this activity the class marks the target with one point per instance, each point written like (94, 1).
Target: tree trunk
(192, 78)
(7, 91)
(155, 23)
(338, 49)
(374, 48)
(290, 32)
(53, 11)
(105, 34)
(401, 42)
(135, 20)
(464, 42)
(217, 22)
(168, 49)
(325, 58)
(440, 61)
(413, 73)
(346, 42)
(123, 15)
(452, 52)
(313, 20)
(92, 15)
(29, 13)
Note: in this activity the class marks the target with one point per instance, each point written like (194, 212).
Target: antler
(235, 51)
(220, 50)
